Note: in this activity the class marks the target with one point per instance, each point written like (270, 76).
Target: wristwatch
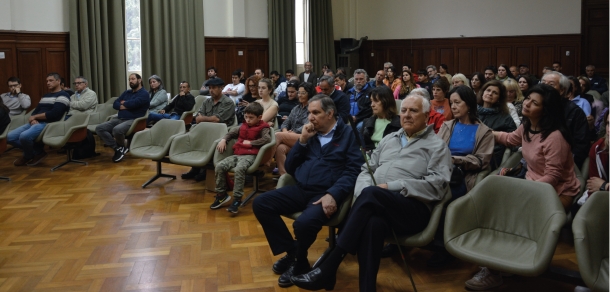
(603, 187)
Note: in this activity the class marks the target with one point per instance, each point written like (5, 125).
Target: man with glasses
(309, 75)
(432, 74)
(15, 100)
(84, 100)
(387, 66)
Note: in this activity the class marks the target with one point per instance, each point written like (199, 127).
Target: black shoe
(234, 208)
(282, 265)
(221, 200)
(440, 259)
(118, 154)
(389, 250)
(315, 280)
(200, 177)
(125, 150)
(297, 268)
(191, 174)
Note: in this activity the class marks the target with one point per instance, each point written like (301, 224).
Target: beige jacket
(471, 164)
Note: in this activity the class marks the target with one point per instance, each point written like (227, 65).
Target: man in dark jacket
(575, 117)
(325, 163)
(598, 83)
(309, 75)
(181, 103)
(359, 98)
(341, 100)
(132, 104)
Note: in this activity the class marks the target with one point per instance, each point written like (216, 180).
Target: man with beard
(359, 100)
(132, 104)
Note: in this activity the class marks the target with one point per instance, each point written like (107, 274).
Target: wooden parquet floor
(93, 228)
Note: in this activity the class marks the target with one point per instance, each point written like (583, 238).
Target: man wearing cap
(218, 108)
(524, 70)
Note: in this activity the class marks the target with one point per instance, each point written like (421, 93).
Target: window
(301, 33)
(132, 34)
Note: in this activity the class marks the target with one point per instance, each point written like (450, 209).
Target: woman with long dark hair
(385, 118)
(391, 80)
(407, 84)
(477, 81)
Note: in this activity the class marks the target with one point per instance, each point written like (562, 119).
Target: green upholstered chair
(3, 145)
(187, 116)
(506, 224)
(335, 220)
(155, 142)
(111, 100)
(590, 228)
(427, 235)
(67, 134)
(101, 114)
(196, 148)
(264, 155)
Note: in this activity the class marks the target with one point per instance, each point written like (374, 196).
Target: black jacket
(180, 104)
(313, 78)
(363, 102)
(498, 122)
(579, 129)
(342, 103)
(368, 128)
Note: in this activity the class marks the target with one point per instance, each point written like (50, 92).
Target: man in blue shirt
(132, 104)
(51, 108)
(325, 163)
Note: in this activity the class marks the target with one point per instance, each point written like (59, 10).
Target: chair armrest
(460, 218)
(180, 144)
(285, 180)
(263, 153)
(220, 156)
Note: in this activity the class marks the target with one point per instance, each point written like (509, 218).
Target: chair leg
(70, 159)
(255, 191)
(158, 175)
(5, 178)
(331, 244)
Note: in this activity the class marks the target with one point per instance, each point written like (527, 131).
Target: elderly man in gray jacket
(84, 100)
(412, 168)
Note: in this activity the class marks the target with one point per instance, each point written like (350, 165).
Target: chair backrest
(595, 94)
(398, 104)
(204, 135)
(590, 228)
(195, 92)
(199, 99)
(19, 120)
(511, 205)
(164, 129)
(112, 99)
(101, 114)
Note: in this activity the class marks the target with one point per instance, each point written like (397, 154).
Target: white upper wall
(235, 18)
(399, 19)
(34, 15)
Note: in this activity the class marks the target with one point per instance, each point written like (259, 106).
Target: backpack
(85, 148)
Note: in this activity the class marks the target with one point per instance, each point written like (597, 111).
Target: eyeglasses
(301, 93)
(12, 85)
(77, 83)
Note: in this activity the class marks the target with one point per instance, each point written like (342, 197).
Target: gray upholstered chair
(155, 142)
(590, 228)
(506, 224)
(67, 134)
(264, 155)
(196, 148)
(111, 100)
(187, 116)
(101, 114)
(335, 220)
(19, 120)
(3, 145)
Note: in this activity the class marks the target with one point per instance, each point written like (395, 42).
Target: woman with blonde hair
(514, 99)
(459, 79)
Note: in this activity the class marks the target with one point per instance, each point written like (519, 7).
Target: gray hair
(158, 79)
(55, 75)
(83, 78)
(462, 77)
(328, 79)
(564, 82)
(326, 102)
(431, 66)
(360, 71)
(425, 104)
(388, 63)
(421, 92)
(592, 67)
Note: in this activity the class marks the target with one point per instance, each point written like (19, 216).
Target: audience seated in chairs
(16, 101)
(325, 178)
(385, 119)
(235, 89)
(183, 102)
(293, 125)
(251, 135)
(219, 108)
(132, 104)
(440, 100)
(287, 100)
(435, 119)
(412, 168)
(270, 106)
(158, 95)
(359, 98)
(84, 100)
(51, 108)
(544, 138)
(494, 113)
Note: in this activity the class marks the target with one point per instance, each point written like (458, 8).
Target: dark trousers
(373, 216)
(287, 200)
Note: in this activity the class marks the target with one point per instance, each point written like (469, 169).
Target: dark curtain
(173, 44)
(321, 37)
(282, 48)
(97, 45)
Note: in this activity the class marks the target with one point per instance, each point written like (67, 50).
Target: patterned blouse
(296, 119)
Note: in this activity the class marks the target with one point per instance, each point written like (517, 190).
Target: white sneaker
(484, 280)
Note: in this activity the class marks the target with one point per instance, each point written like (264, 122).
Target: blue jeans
(24, 137)
(155, 117)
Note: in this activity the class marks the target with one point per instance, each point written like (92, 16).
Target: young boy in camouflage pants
(251, 135)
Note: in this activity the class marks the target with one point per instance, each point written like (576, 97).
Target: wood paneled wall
(468, 55)
(223, 53)
(31, 56)
(594, 31)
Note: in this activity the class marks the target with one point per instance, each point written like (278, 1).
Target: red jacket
(437, 119)
(248, 133)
